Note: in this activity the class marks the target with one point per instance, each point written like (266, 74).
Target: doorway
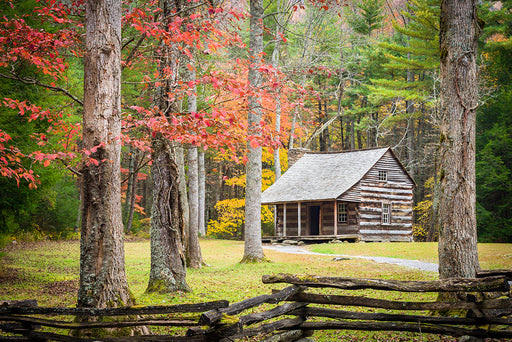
(314, 220)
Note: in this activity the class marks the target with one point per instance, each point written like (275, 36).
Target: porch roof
(322, 176)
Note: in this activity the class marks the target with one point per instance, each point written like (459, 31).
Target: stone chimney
(295, 154)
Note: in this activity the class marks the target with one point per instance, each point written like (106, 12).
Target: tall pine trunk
(102, 271)
(253, 251)
(168, 265)
(458, 255)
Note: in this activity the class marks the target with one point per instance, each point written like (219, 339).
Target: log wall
(292, 226)
(396, 191)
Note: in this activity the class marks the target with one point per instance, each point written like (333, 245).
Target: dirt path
(419, 265)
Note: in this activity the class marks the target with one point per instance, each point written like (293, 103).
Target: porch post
(298, 220)
(284, 219)
(335, 218)
(276, 228)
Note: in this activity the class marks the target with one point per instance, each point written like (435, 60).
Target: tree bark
(168, 266)
(102, 271)
(253, 251)
(194, 257)
(132, 193)
(201, 177)
(127, 201)
(458, 255)
(275, 63)
(182, 185)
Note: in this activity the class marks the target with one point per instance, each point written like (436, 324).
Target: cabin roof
(322, 176)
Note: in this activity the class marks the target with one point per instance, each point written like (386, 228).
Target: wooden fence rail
(294, 312)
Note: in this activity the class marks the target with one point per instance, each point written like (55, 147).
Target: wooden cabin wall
(291, 219)
(392, 166)
(397, 191)
(386, 163)
(351, 227)
(327, 227)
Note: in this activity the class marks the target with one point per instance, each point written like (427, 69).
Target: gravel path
(419, 265)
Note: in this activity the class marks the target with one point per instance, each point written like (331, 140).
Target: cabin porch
(318, 220)
(312, 238)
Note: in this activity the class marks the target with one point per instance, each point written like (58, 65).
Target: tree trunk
(127, 201)
(201, 177)
(102, 272)
(277, 160)
(275, 64)
(168, 266)
(458, 255)
(132, 193)
(182, 185)
(253, 251)
(194, 257)
(292, 130)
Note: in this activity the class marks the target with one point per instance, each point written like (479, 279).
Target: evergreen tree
(365, 19)
(494, 126)
(410, 90)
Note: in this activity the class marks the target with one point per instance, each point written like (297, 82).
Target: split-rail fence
(307, 304)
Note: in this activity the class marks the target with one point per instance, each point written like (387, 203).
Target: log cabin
(362, 195)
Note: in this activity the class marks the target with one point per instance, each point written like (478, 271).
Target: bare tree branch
(33, 81)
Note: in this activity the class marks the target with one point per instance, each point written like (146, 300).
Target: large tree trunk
(168, 266)
(102, 272)
(458, 255)
(253, 251)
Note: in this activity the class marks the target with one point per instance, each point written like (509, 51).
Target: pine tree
(365, 19)
(494, 126)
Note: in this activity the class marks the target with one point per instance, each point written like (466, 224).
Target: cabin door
(314, 220)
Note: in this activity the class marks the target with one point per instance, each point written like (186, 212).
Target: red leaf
(254, 143)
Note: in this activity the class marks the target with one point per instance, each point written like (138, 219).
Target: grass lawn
(491, 255)
(48, 271)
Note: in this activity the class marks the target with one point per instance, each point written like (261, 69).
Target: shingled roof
(322, 176)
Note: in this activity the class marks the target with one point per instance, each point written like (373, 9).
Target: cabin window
(342, 213)
(383, 176)
(386, 213)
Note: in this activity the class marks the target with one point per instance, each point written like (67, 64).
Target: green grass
(491, 255)
(48, 271)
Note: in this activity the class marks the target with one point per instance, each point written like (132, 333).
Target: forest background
(337, 76)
